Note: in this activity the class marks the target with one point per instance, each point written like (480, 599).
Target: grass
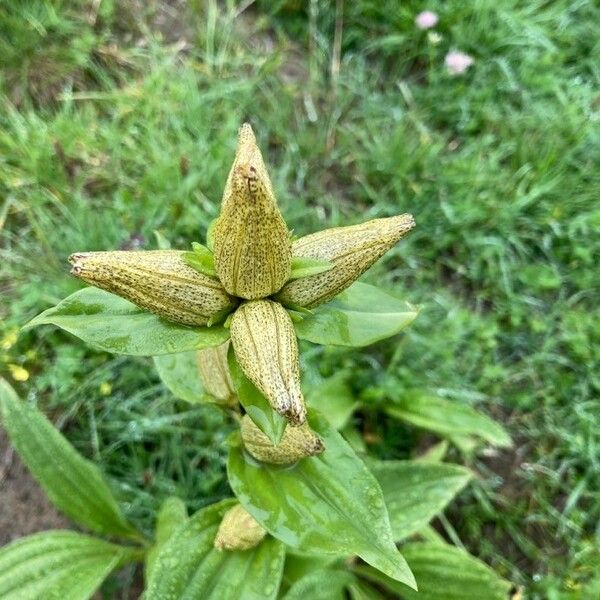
(120, 122)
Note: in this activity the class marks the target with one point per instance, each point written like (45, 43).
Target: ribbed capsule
(266, 349)
(252, 247)
(296, 443)
(157, 280)
(239, 530)
(351, 250)
(214, 374)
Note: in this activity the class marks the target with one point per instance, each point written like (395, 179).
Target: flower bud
(159, 281)
(239, 530)
(351, 250)
(252, 247)
(296, 443)
(214, 373)
(266, 349)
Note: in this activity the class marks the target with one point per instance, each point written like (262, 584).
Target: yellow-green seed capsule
(239, 530)
(214, 374)
(159, 281)
(296, 443)
(252, 248)
(266, 349)
(351, 250)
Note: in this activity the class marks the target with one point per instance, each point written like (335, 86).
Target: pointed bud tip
(76, 262)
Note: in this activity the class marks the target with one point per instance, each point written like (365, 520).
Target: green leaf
(110, 323)
(179, 372)
(189, 567)
(361, 315)
(415, 492)
(272, 424)
(447, 418)
(73, 484)
(201, 259)
(322, 584)
(444, 572)
(59, 565)
(303, 266)
(170, 517)
(333, 398)
(361, 590)
(328, 504)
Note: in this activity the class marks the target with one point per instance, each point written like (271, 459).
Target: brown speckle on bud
(266, 349)
(159, 281)
(296, 443)
(251, 243)
(239, 530)
(351, 250)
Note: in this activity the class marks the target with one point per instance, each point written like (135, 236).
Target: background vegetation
(119, 118)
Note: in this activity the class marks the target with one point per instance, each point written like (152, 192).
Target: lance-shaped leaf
(179, 372)
(189, 567)
(329, 503)
(361, 315)
(444, 572)
(446, 418)
(73, 484)
(350, 251)
(252, 248)
(57, 564)
(264, 341)
(160, 281)
(110, 323)
(415, 492)
(296, 443)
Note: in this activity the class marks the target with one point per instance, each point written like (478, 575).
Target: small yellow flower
(18, 373)
(105, 388)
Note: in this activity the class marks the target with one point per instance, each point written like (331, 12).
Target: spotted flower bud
(266, 349)
(296, 443)
(251, 241)
(239, 530)
(214, 373)
(159, 281)
(351, 250)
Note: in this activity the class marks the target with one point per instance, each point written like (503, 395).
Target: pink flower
(457, 62)
(426, 19)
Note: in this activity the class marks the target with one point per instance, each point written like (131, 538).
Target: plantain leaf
(444, 572)
(272, 424)
(361, 315)
(73, 484)
(110, 323)
(328, 504)
(447, 418)
(189, 567)
(171, 515)
(57, 565)
(179, 372)
(415, 492)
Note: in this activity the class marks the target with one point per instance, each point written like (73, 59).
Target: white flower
(457, 62)
(426, 19)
